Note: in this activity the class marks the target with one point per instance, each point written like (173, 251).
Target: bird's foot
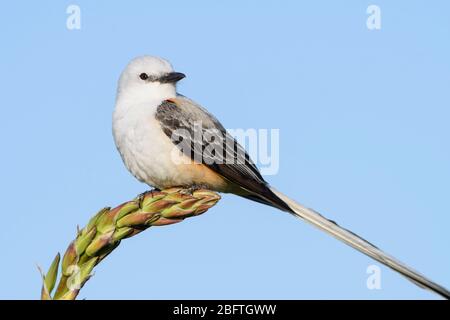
(143, 194)
(192, 188)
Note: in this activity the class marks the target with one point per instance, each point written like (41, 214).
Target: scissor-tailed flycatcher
(161, 137)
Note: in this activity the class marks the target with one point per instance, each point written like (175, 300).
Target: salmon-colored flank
(173, 100)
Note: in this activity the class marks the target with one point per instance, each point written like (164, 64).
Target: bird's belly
(154, 159)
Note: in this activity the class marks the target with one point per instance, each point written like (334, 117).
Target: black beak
(172, 77)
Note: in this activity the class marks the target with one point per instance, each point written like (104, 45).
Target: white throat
(151, 94)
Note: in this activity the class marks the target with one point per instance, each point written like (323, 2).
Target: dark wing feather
(187, 124)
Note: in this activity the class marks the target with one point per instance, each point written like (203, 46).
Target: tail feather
(359, 244)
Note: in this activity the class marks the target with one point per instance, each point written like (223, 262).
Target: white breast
(146, 151)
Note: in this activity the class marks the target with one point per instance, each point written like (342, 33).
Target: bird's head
(149, 77)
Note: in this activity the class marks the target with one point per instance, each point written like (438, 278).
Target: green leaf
(52, 274)
(94, 219)
(84, 240)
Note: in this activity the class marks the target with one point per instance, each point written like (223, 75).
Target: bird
(160, 135)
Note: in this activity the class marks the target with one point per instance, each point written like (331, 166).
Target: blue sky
(364, 138)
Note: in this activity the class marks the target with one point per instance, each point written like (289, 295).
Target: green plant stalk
(109, 227)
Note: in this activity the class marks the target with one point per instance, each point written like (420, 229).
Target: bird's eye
(143, 76)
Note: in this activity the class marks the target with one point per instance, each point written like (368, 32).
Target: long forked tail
(360, 244)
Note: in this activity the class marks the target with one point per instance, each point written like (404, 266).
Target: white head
(148, 78)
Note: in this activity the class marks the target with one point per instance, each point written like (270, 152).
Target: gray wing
(200, 136)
